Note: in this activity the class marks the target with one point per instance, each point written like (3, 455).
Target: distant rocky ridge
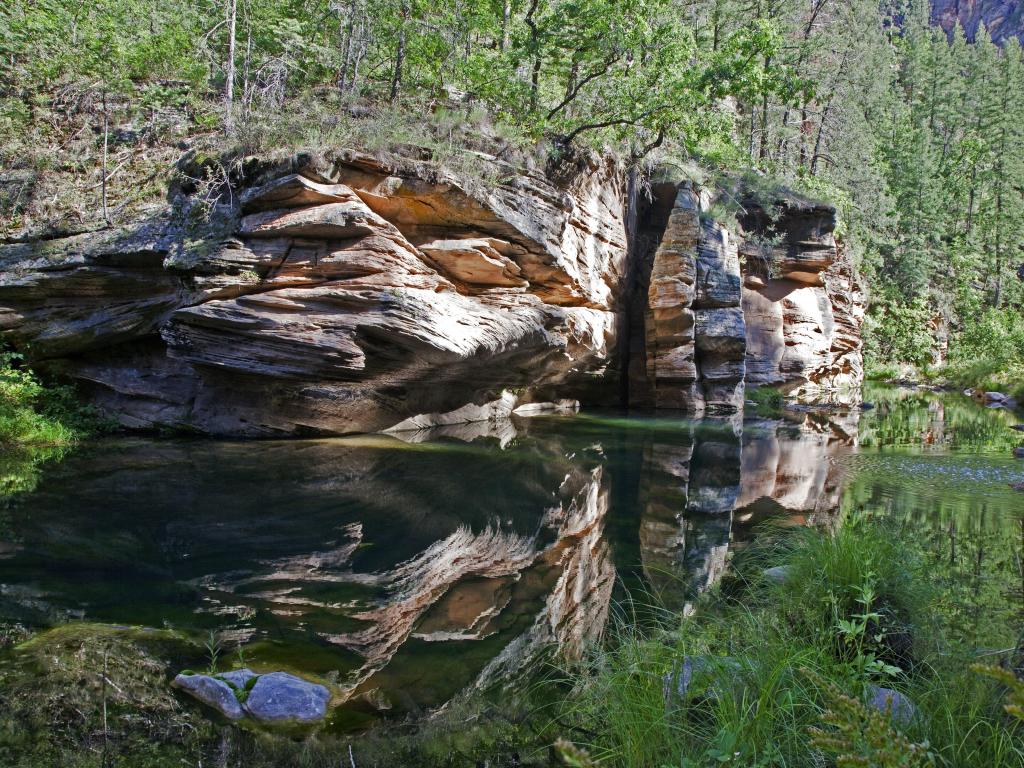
(1002, 18)
(349, 293)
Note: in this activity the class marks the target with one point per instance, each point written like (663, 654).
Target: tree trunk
(821, 130)
(535, 50)
(229, 85)
(506, 19)
(396, 81)
(762, 154)
(364, 37)
(103, 168)
(246, 96)
(348, 33)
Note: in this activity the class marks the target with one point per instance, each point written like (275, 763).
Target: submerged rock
(776, 574)
(276, 697)
(676, 683)
(237, 678)
(280, 697)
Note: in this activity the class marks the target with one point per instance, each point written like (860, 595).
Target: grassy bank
(38, 422)
(56, 709)
(986, 353)
(781, 668)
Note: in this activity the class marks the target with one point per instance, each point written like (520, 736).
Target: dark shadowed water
(409, 569)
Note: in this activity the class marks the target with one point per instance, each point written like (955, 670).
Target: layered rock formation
(695, 335)
(350, 293)
(801, 301)
(773, 305)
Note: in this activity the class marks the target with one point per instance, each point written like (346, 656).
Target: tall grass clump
(778, 667)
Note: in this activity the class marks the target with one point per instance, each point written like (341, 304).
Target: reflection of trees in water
(934, 422)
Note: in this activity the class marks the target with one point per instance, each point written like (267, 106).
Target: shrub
(898, 330)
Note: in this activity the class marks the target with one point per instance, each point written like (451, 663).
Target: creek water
(415, 568)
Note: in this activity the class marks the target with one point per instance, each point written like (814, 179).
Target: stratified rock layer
(790, 316)
(331, 296)
(357, 294)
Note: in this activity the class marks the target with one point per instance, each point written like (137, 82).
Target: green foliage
(784, 668)
(860, 736)
(898, 330)
(38, 423)
(34, 415)
(1014, 685)
(213, 648)
(768, 401)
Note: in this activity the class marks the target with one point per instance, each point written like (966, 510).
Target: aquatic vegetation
(767, 401)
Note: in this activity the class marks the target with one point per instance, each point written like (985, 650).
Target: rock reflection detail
(410, 568)
(703, 497)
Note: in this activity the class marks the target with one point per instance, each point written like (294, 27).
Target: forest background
(915, 134)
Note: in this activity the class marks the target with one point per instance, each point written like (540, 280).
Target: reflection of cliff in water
(700, 499)
(408, 569)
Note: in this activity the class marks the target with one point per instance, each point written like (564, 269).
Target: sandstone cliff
(349, 293)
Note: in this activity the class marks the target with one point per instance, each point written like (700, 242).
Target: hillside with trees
(917, 136)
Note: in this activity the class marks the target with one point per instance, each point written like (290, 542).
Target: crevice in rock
(648, 208)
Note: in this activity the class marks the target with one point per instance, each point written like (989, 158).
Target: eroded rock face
(778, 306)
(802, 303)
(353, 294)
(1002, 18)
(336, 296)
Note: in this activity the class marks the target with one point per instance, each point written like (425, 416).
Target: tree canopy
(918, 136)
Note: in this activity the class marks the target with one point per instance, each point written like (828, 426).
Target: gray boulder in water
(900, 708)
(212, 692)
(237, 678)
(280, 697)
(677, 681)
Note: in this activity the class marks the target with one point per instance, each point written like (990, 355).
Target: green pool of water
(410, 569)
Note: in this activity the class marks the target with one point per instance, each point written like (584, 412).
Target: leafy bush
(995, 334)
(34, 415)
(898, 330)
(767, 400)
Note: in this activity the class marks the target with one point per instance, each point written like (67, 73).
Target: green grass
(857, 607)
(38, 423)
(987, 375)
